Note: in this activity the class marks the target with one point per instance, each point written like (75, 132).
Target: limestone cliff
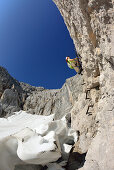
(90, 24)
(17, 96)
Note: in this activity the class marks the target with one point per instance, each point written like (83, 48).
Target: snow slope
(33, 139)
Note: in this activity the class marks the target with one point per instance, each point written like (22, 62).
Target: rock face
(90, 24)
(58, 102)
(37, 100)
(8, 82)
(10, 93)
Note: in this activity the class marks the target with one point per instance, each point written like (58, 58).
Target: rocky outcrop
(90, 24)
(8, 82)
(10, 93)
(58, 102)
(10, 101)
(13, 93)
(37, 100)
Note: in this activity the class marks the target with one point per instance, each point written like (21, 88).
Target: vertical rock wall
(90, 24)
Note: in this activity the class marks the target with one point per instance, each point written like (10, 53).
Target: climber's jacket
(69, 63)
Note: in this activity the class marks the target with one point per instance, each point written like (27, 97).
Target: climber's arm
(72, 59)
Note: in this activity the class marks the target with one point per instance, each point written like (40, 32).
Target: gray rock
(8, 82)
(28, 167)
(1, 110)
(58, 102)
(10, 101)
(13, 93)
(28, 89)
(37, 100)
(10, 93)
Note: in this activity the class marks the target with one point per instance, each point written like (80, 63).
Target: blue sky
(34, 42)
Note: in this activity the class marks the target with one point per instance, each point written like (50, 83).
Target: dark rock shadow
(76, 161)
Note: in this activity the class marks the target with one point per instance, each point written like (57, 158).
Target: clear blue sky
(34, 42)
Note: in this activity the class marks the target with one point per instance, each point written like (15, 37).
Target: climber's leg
(76, 69)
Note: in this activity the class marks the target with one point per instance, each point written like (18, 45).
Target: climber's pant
(78, 68)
